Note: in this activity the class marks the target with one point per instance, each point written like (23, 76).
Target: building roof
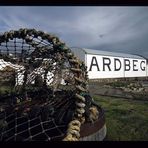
(107, 53)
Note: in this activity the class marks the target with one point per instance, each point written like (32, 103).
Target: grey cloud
(121, 28)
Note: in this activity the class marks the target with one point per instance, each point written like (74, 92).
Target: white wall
(147, 70)
(99, 66)
(137, 68)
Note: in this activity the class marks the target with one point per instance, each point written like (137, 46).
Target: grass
(126, 120)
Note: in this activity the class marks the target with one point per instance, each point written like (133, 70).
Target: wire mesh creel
(43, 88)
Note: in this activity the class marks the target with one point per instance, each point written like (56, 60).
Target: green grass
(126, 120)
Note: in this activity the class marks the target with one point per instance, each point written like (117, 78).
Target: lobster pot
(44, 90)
(94, 131)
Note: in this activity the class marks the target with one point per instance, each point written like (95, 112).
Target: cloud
(105, 28)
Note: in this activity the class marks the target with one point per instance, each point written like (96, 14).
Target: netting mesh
(36, 119)
(32, 56)
(25, 129)
(42, 88)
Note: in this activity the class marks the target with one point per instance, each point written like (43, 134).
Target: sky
(121, 29)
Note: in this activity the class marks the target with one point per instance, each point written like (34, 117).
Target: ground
(126, 119)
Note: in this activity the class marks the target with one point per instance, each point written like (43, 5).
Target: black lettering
(134, 65)
(115, 62)
(106, 63)
(94, 63)
(142, 68)
(127, 66)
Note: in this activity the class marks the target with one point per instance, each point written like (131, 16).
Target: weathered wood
(98, 136)
(94, 131)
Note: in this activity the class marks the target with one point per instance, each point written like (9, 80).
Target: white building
(103, 64)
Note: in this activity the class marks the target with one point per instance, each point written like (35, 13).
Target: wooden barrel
(94, 131)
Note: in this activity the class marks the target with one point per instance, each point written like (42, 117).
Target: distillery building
(104, 64)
